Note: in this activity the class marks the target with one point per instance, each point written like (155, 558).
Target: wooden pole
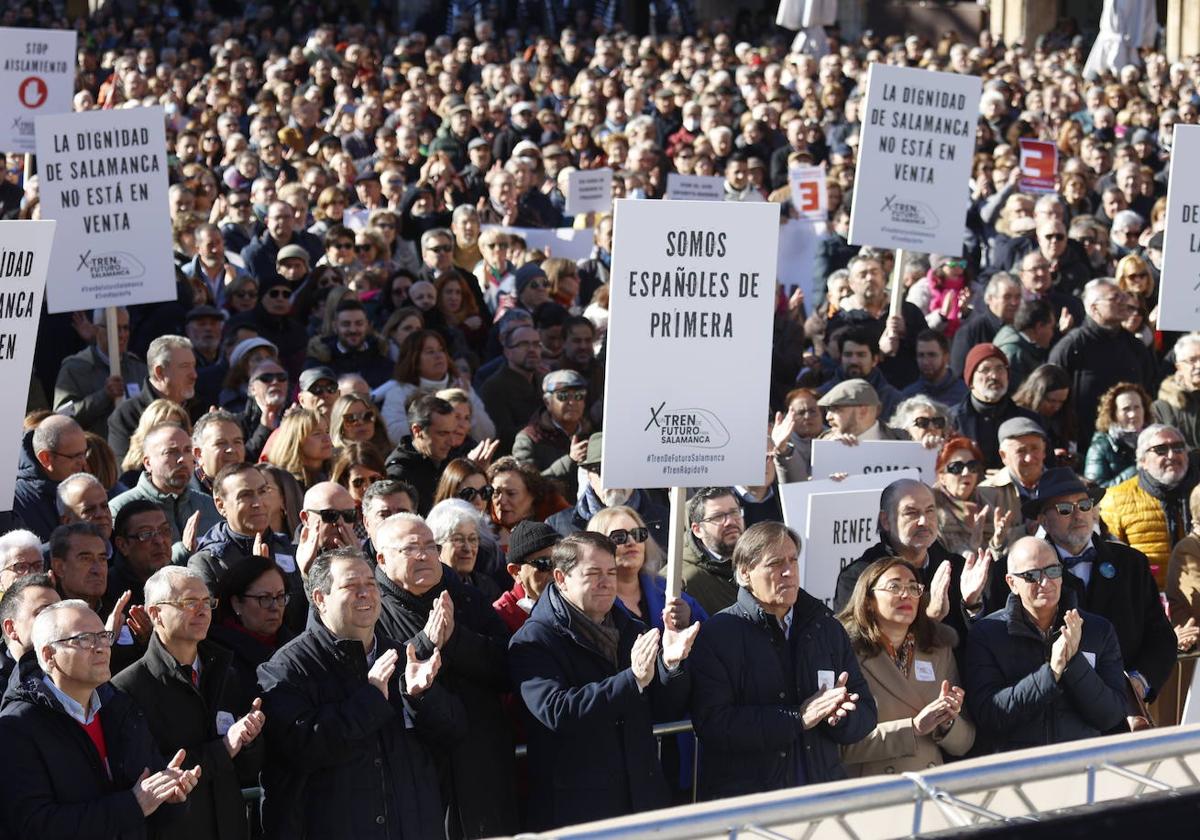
(676, 534)
(897, 282)
(114, 343)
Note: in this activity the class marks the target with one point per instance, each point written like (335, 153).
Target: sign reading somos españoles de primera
(689, 343)
(914, 159)
(103, 177)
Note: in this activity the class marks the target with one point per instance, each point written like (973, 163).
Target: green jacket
(178, 510)
(707, 580)
(80, 384)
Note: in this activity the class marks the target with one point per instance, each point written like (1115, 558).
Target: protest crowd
(339, 530)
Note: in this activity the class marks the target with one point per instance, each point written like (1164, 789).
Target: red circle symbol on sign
(32, 92)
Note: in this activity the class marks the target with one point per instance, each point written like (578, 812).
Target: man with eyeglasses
(142, 539)
(237, 226)
(1040, 671)
(715, 519)
(437, 258)
(326, 522)
(936, 380)
(268, 391)
(1149, 511)
(1108, 578)
(192, 699)
(1101, 353)
(55, 782)
(853, 409)
(1069, 270)
(1178, 402)
(20, 555)
(22, 602)
(529, 548)
(168, 464)
(511, 394)
(85, 388)
(426, 605)
(51, 452)
(555, 439)
(354, 719)
(240, 493)
(353, 347)
(318, 390)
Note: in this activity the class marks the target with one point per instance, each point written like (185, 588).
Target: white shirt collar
(71, 707)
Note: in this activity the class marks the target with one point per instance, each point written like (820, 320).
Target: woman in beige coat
(908, 660)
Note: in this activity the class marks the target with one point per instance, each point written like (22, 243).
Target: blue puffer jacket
(1012, 694)
(748, 683)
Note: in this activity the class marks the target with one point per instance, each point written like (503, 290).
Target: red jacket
(509, 610)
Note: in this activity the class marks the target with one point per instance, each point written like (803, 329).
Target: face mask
(691, 123)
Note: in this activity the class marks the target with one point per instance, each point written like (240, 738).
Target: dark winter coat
(35, 497)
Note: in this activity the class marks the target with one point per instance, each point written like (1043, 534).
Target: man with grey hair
(172, 376)
(1101, 353)
(908, 528)
(192, 699)
(1150, 510)
(20, 555)
(1178, 402)
(51, 452)
(425, 603)
(85, 388)
(112, 781)
(82, 498)
(1001, 297)
(259, 256)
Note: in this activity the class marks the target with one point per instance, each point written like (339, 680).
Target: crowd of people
(338, 527)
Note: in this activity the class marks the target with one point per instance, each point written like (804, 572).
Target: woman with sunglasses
(241, 295)
(966, 521)
(908, 660)
(272, 318)
(330, 208)
(463, 479)
(1123, 412)
(925, 420)
(355, 419)
(253, 596)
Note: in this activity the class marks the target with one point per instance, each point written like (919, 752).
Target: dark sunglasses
(246, 293)
(542, 564)
(364, 417)
(1067, 508)
(1164, 449)
(958, 467)
(1054, 237)
(323, 390)
(439, 249)
(343, 246)
(1036, 576)
(277, 293)
(330, 516)
(468, 494)
(624, 535)
(238, 205)
(926, 422)
(271, 377)
(363, 248)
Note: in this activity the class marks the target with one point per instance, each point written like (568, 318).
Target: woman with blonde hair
(159, 411)
(1135, 279)
(355, 419)
(302, 446)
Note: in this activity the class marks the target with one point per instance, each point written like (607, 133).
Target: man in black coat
(776, 688)
(420, 457)
(959, 590)
(76, 750)
(1102, 353)
(1040, 672)
(1001, 298)
(1107, 578)
(51, 452)
(352, 720)
(191, 698)
(172, 366)
(426, 605)
(20, 605)
(593, 683)
(987, 404)
(513, 394)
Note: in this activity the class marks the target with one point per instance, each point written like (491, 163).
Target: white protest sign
(568, 243)
(799, 241)
(695, 187)
(356, 220)
(691, 306)
(25, 249)
(841, 527)
(793, 497)
(874, 456)
(589, 191)
(1179, 288)
(808, 192)
(37, 76)
(104, 179)
(914, 159)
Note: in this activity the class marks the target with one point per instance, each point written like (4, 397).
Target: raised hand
(939, 594)
(307, 549)
(974, 575)
(139, 623)
(418, 675)
(383, 669)
(677, 615)
(260, 548)
(677, 644)
(189, 532)
(782, 428)
(116, 619)
(829, 705)
(643, 657)
(1186, 635)
(246, 729)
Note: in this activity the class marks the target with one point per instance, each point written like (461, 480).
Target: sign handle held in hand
(677, 532)
(898, 283)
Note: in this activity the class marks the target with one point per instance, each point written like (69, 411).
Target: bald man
(55, 449)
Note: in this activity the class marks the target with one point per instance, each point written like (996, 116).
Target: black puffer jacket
(748, 683)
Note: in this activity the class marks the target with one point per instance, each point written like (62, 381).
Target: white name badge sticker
(923, 671)
(825, 680)
(286, 562)
(225, 721)
(1090, 657)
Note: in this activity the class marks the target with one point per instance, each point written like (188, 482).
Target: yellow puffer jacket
(1136, 518)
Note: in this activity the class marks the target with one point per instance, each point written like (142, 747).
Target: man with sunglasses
(1100, 353)
(1149, 510)
(240, 493)
(1107, 577)
(555, 439)
(318, 390)
(1039, 671)
(192, 699)
(529, 548)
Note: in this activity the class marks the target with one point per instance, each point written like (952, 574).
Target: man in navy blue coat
(594, 680)
(776, 688)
